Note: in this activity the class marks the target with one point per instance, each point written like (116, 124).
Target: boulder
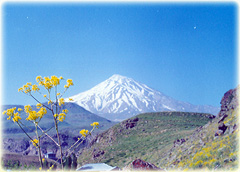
(97, 153)
(139, 164)
(222, 127)
(228, 102)
(130, 123)
(222, 118)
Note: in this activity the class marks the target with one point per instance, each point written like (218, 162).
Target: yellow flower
(61, 101)
(70, 99)
(69, 83)
(39, 105)
(34, 142)
(55, 115)
(4, 112)
(29, 84)
(16, 117)
(40, 168)
(50, 102)
(20, 89)
(47, 83)
(212, 161)
(38, 78)
(32, 116)
(65, 110)
(58, 94)
(42, 112)
(10, 111)
(20, 109)
(62, 117)
(35, 88)
(95, 124)
(61, 77)
(44, 95)
(55, 80)
(25, 88)
(205, 163)
(27, 108)
(84, 132)
(43, 160)
(51, 167)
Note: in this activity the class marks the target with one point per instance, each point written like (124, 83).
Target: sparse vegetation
(149, 140)
(209, 148)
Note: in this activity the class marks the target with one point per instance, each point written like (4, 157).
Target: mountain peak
(119, 78)
(120, 97)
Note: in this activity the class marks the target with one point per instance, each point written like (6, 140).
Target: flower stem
(48, 135)
(59, 142)
(24, 131)
(39, 149)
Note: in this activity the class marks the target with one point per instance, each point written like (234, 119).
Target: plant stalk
(39, 149)
(59, 142)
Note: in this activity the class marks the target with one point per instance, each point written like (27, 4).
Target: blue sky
(186, 51)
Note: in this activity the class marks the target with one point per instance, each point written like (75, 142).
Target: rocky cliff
(213, 146)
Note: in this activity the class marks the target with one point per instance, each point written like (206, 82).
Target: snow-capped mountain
(119, 98)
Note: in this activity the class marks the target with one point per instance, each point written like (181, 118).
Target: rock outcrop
(228, 102)
(130, 123)
(139, 164)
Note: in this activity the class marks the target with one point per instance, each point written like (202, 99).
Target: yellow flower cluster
(34, 142)
(61, 117)
(35, 88)
(39, 105)
(212, 161)
(61, 101)
(197, 155)
(69, 83)
(95, 124)
(34, 115)
(50, 102)
(12, 114)
(27, 108)
(65, 111)
(16, 117)
(50, 168)
(84, 132)
(27, 88)
(47, 82)
(198, 163)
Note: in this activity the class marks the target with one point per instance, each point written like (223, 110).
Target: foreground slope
(146, 136)
(120, 97)
(77, 119)
(214, 146)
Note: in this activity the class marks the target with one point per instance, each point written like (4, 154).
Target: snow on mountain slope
(119, 97)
